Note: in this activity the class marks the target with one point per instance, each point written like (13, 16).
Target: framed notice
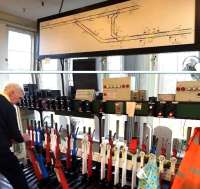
(126, 26)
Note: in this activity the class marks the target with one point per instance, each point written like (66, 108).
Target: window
(172, 62)
(115, 63)
(167, 85)
(49, 81)
(20, 55)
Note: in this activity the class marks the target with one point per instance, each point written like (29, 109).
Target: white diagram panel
(127, 25)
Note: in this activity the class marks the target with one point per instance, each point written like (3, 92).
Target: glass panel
(20, 56)
(49, 81)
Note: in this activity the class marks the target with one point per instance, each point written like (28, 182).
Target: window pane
(19, 60)
(115, 63)
(20, 56)
(49, 81)
(19, 41)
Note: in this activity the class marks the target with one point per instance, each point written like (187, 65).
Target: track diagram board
(127, 25)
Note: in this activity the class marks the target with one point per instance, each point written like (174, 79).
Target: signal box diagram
(126, 25)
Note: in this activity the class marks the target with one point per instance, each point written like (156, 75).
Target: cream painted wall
(18, 21)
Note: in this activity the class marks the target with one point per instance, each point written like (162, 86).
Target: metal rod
(62, 62)
(97, 72)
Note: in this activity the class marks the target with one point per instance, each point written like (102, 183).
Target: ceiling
(34, 9)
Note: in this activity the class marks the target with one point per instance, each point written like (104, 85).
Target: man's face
(16, 97)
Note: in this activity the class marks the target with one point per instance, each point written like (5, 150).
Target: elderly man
(9, 133)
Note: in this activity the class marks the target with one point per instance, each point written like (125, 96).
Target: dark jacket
(9, 130)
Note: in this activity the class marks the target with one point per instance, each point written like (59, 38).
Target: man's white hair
(12, 87)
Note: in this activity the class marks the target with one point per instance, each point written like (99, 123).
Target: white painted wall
(3, 53)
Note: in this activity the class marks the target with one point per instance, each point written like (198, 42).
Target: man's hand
(26, 137)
